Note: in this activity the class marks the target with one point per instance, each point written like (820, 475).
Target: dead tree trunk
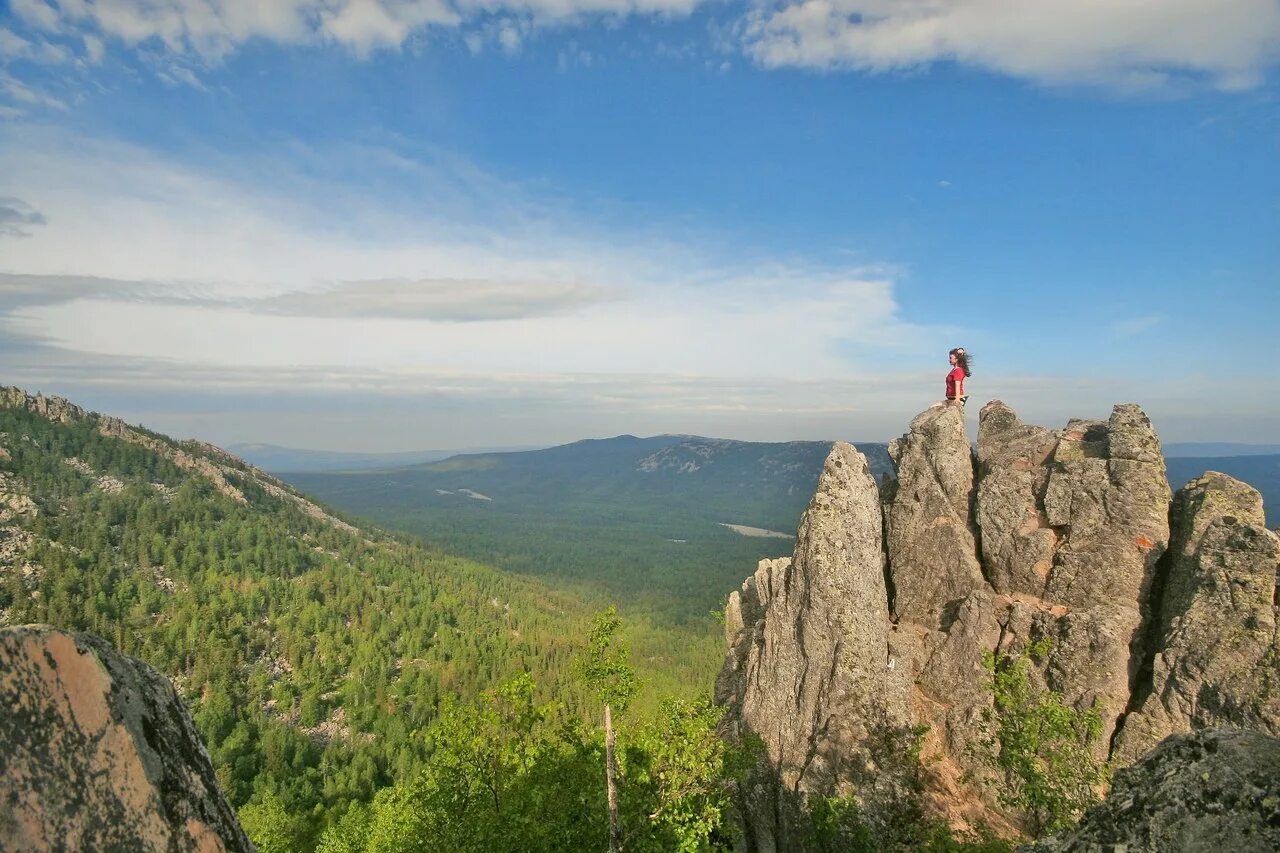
(611, 783)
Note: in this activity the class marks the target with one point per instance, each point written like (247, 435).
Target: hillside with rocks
(864, 664)
(1214, 789)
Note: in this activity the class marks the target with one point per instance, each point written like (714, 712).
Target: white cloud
(285, 271)
(367, 25)
(211, 29)
(94, 49)
(37, 13)
(21, 92)
(676, 334)
(1129, 43)
(447, 300)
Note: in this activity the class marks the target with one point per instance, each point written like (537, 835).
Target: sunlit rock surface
(97, 752)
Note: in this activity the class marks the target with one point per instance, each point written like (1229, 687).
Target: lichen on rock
(97, 752)
(1208, 791)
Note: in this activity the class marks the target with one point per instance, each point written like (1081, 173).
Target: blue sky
(399, 224)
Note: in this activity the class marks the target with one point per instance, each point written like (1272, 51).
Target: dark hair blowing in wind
(962, 359)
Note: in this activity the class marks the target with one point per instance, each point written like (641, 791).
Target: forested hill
(312, 651)
(643, 519)
(753, 483)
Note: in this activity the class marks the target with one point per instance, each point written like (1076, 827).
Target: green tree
(272, 828)
(1043, 747)
(677, 773)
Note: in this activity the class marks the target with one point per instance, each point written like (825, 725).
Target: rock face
(1041, 535)
(811, 671)
(1218, 659)
(1073, 524)
(933, 555)
(1213, 790)
(97, 752)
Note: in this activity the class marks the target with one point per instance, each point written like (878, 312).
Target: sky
(377, 225)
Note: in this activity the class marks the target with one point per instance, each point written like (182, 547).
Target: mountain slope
(309, 648)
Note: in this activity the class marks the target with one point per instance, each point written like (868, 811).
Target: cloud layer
(143, 258)
(1134, 44)
(1125, 44)
(17, 217)
(212, 29)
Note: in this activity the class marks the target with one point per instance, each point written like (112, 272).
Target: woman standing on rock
(959, 373)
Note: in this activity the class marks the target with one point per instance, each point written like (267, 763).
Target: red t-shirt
(956, 375)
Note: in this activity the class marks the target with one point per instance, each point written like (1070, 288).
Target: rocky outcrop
(97, 752)
(812, 673)
(1217, 655)
(1214, 790)
(1039, 535)
(944, 607)
(1073, 525)
(932, 552)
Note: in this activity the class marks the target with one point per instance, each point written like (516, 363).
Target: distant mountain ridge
(763, 484)
(656, 522)
(273, 457)
(1206, 449)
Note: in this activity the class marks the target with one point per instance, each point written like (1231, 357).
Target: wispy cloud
(16, 217)
(458, 300)
(213, 30)
(404, 408)
(23, 93)
(13, 46)
(1132, 326)
(1132, 44)
(146, 258)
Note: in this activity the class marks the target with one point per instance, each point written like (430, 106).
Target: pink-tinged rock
(97, 752)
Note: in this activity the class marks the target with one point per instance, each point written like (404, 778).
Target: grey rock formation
(1073, 524)
(1057, 535)
(1218, 658)
(932, 549)
(1018, 542)
(97, 752)
(1213, 790)
(810, 671)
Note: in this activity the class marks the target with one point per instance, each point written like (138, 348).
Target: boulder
(1209, 791)
(97, 752)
